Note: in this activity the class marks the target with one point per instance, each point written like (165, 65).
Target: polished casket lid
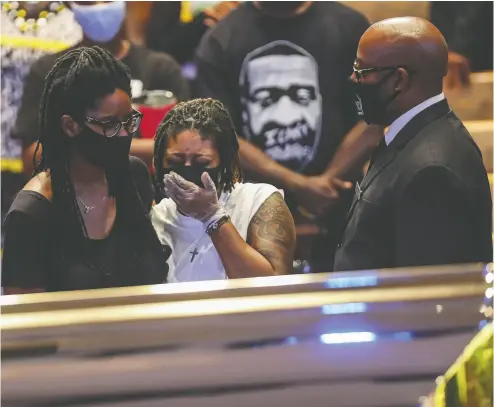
(371, 338)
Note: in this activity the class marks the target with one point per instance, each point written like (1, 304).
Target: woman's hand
(198, 203)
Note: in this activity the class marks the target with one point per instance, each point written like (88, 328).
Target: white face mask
(100, 22)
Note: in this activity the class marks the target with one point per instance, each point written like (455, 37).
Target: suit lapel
(380, 164)
(356, 197)
(402, 138)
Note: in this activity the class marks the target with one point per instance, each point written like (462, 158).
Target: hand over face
(318, 194)
(198, 203)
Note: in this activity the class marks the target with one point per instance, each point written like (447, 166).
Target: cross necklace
(194, 254)
(88, 208)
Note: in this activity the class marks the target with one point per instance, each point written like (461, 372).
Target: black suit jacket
(426, 200)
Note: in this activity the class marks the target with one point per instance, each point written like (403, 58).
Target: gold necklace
(26, 25)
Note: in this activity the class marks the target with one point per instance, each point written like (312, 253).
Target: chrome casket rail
(372, 338)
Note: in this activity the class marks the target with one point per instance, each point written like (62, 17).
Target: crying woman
(217, 226)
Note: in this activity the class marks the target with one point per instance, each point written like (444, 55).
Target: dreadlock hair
(77, 81)
(212, 121)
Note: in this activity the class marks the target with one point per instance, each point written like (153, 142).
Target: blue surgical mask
(100, 22)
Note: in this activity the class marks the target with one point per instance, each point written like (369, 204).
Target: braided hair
(212, 121)
(77, 81)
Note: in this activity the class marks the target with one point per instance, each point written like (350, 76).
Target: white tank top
(194, 257)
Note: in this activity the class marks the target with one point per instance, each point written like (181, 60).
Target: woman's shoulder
(251, 191)
(143, 182)
(137, 165)
(34, 200)
(139, 171)
(247, 198)
(40, 184)
(30, 204)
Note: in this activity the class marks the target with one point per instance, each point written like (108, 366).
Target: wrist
(295, 182)
(217, 224)
(214, 216)
(328, 175)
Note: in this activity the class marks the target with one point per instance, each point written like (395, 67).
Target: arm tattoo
(272, 233)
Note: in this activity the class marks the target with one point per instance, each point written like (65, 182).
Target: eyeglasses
(359, 73)
(112, 127)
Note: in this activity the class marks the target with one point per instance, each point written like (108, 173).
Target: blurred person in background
(217, 226)
(174, 27)
(102, 25)
(281, 69)
(29, 30)
(82, 222)
(467, 27)
(426, 198)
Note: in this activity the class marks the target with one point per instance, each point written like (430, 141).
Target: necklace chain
(88, 208)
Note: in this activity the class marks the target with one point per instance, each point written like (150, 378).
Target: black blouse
(31, 258)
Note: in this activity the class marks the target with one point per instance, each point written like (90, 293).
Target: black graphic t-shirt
(285, 81)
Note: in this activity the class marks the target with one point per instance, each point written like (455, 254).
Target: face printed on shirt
(282, 103)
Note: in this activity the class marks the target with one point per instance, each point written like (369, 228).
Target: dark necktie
(379, 151)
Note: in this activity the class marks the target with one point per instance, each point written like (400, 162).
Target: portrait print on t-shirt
(282, 103)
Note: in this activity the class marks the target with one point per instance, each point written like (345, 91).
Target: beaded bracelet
(217, 224)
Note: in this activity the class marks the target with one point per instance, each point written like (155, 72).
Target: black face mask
(108, 153)
(370, 104)
(192, 173)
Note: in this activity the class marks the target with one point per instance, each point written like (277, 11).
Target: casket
(376, 338)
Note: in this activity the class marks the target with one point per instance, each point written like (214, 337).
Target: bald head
(408, 41)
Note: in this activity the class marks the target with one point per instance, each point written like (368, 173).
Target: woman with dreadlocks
(217, 226)
(82, 221)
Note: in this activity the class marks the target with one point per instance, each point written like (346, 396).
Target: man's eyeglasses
(112, 127)
(359, 73)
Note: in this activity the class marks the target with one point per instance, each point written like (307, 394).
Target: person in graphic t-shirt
(217, 226)
(282, 70)
(282, 103)
(102, 25)
(174, 27)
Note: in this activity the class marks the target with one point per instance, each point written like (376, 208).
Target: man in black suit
(426, 197)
